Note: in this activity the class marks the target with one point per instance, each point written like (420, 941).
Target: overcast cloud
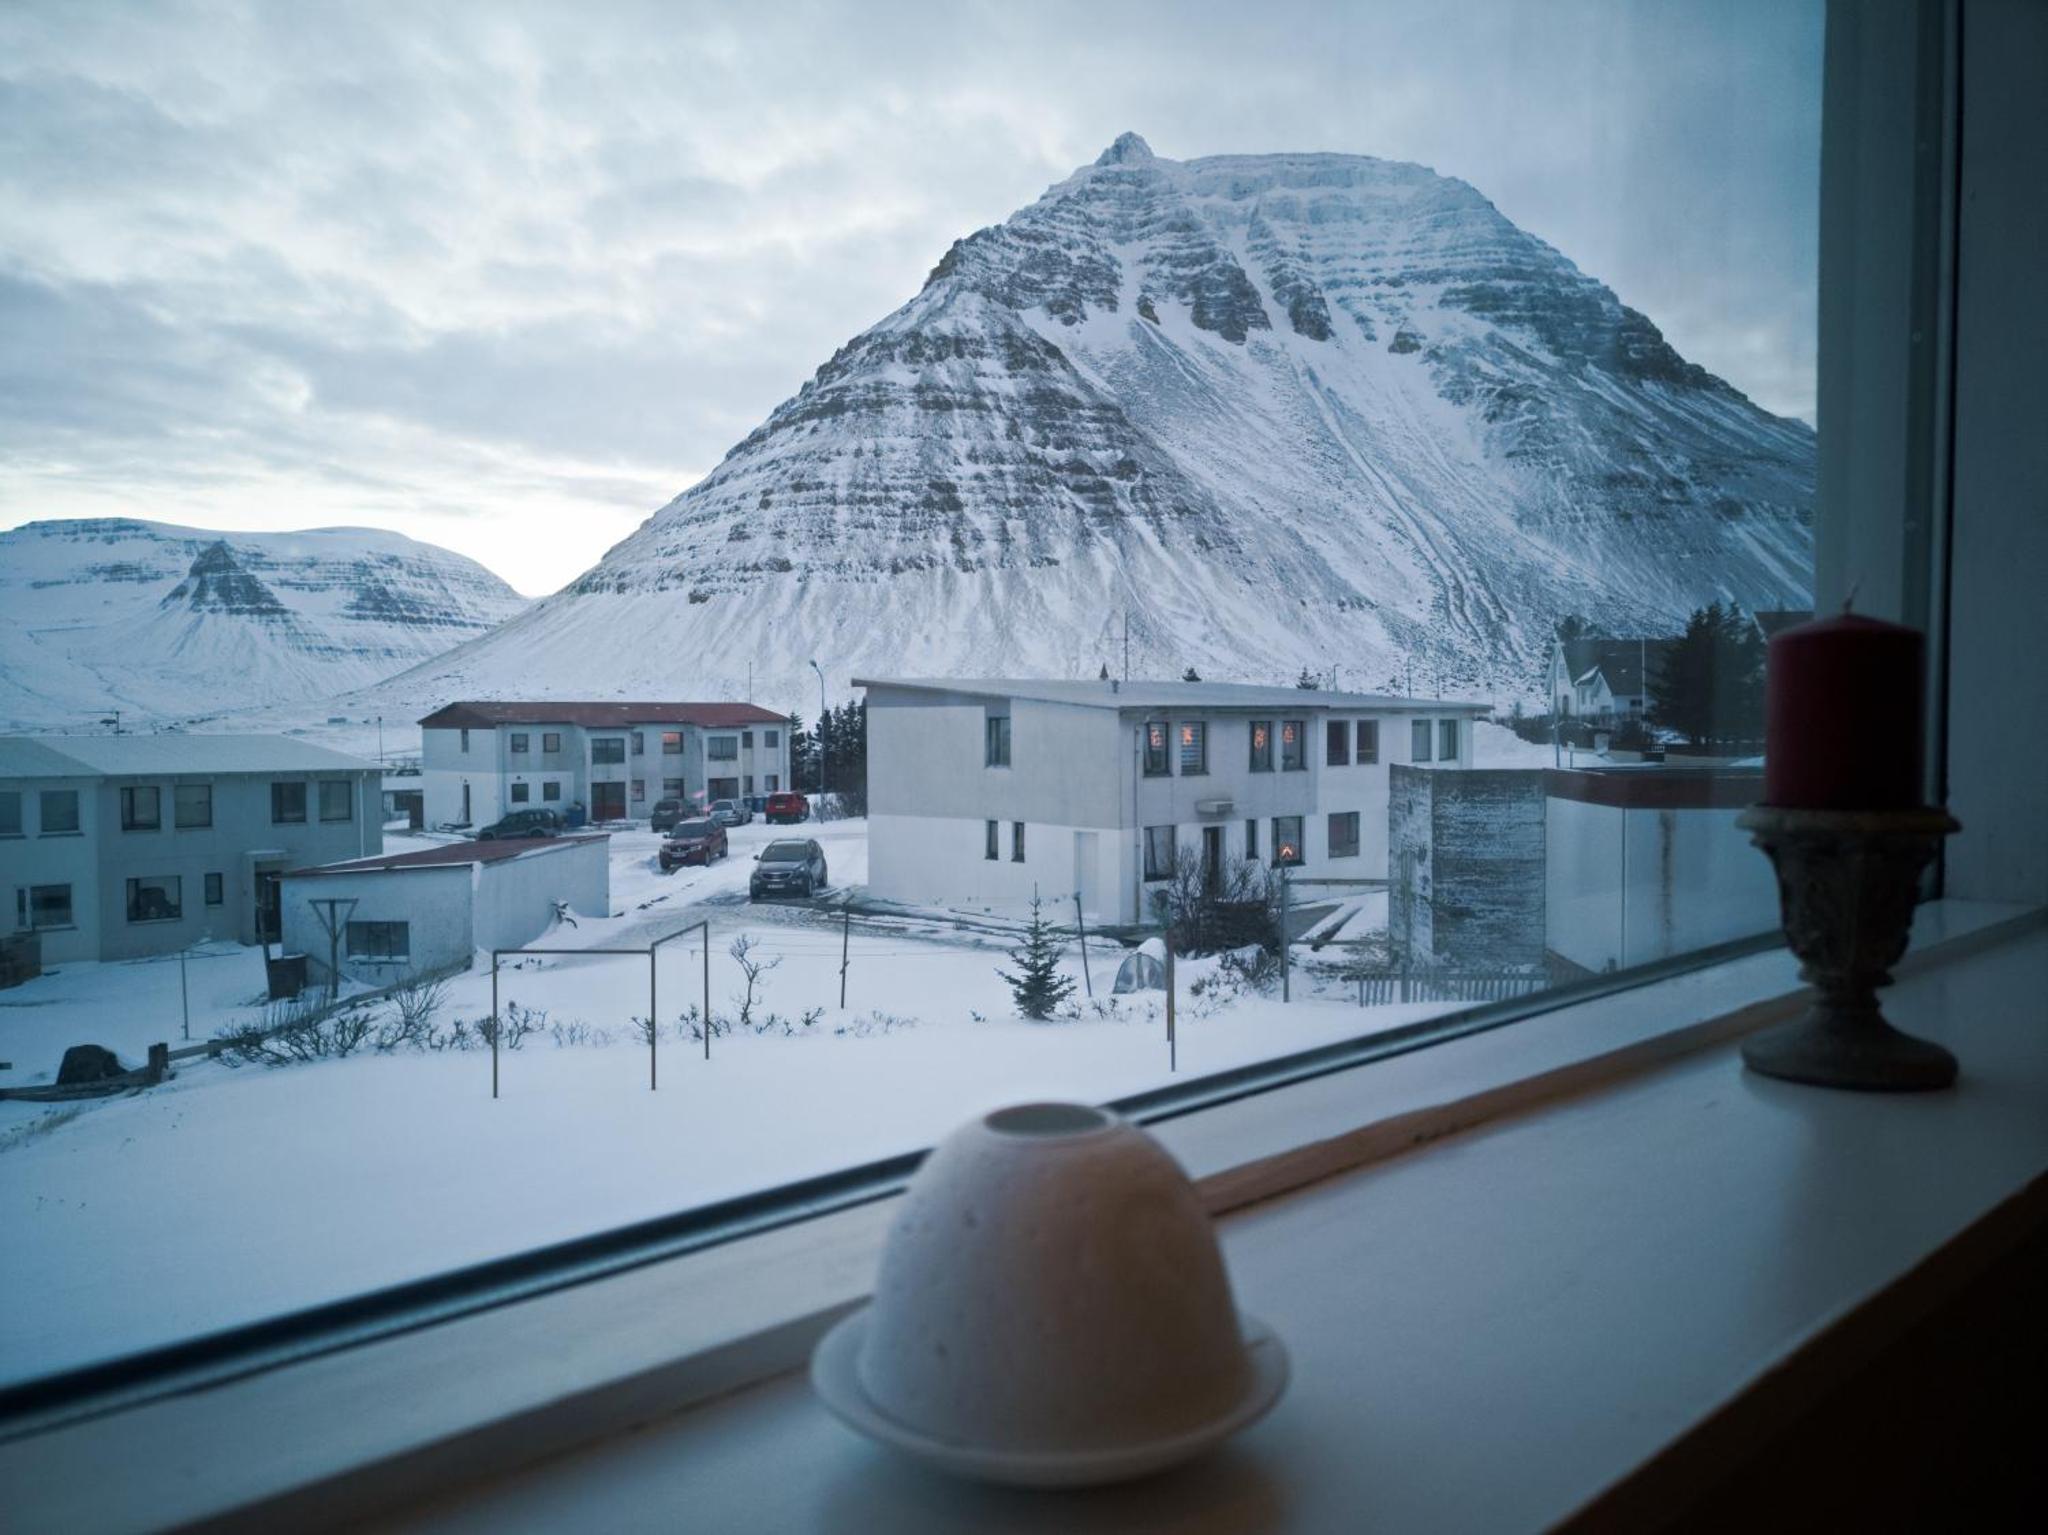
(508, 277)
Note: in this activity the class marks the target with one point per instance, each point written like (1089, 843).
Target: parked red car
(786, 809)
(697, 841)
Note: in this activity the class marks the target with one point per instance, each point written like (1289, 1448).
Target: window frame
(1192, 739)
(991, 841)
(995, 741)
(1155, 742)
(376, 946)
(1261, 754)
(1448, 740)
(1251, 839)
(550, 742)
(1336, 743)
(712, 745)
(1281, 842)
(20, 798)
(1420, 738)
(129, 798)
(614, 749)
(1016, 842)
(25, 909)
(520, 743)
(43, 826)
(551, 790)
(1367, 748)
(1330, 824)
(133, 892)
(178, 820)
(1157, 869)
(1294, 759)
(517, 792)
(348, 801)
(280, 799)
(213, 888)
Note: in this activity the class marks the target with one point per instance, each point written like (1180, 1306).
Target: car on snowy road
(698, 841)
(729, 812)
(792, 866)
(786, 809)
(523, 823)
(666, 814)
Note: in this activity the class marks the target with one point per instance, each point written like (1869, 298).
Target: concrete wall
(242, 842)
(56, 858)
(514, 898)
(1626, 887)
(1470, 845)
(435, 903)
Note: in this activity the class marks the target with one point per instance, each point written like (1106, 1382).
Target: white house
(480, 759)
(1604, 679)
(431, 910)
(117, 846)
(980, 790)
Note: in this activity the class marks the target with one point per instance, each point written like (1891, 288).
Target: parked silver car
(729, 812)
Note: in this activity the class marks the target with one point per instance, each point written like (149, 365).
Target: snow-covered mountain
(1280, 410)
(160, 621)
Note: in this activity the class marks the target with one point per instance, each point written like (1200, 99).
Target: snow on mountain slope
(161, 621)
(1283, 411)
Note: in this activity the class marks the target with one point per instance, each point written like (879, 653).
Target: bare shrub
(513, 1027)
(1240, 905)
(752, 969)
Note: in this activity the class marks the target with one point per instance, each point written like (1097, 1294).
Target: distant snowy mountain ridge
(162, 621)
(1283, 410)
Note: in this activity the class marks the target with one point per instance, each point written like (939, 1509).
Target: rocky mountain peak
(1129, 149)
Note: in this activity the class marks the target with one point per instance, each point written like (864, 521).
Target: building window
(1194, 748)
(465, 740)
(1157, 764)
(1420, 742)
(1337, 744)
(551, 790)
(772, 739)
(639, 790)
(1251, 841)
(997, 730)
(155, 898)
(60, 813)
(1262, 746)
(551, 740)
(519, 792)
(40, 906)
(1016, 842)
(747, 784)
(1158, 852)
(215, 894)
(723, 749)
(992, 832)
(774, 782)
(1368, 742)
(1293, 745)
(191, 805)
(337, 799)
(142, 808)
(380, 942)
(607, 751)
(1447, 740)
(639, 744)
(520, 741)
(671, 788)
(10, 812)
(1344, 834)
(287, 802)
(1286, 839)
(747, 739)
(671, 743)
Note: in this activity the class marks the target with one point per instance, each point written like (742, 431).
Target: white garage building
(420, 912)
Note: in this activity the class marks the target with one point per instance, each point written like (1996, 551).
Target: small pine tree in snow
(1306, 682)
(1038, 986)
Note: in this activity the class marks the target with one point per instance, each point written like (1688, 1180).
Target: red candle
(1843, 716)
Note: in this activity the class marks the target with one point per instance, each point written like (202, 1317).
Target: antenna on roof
(113, 719)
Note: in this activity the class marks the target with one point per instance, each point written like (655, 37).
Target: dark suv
(789, 867)
(523, 823)
(665, 814)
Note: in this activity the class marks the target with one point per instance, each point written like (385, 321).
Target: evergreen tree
(1305, 681)
(1105, 672)
(1709, 685)
(1038, 986)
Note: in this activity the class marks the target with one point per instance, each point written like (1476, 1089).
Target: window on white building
(10, 813)
(142, 808)
(215, 890)
(551, 790)
(1158, 764)
(997, 743)
(1447, 740)
(1194, 748)
(992, 837)
(607, 751)
(155, 898)
(1368, 742)
(287, 803)
(1287, 839)
(723, 748)
(191, 805)
(1337, 744)
(337, 799)
(551, 740)
(38, 907)
(379, 942)
(1419, 742)
(1344, 834)
(1293, 746)
(1158, 852)
(520, 742)
(1262, 746)
(671, 743)
(519, 792)
(1016, 842)
(1251, 840)
(59, 813)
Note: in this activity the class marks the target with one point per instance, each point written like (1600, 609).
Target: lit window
(1194, 748)
(1157, 763)
(671, 743)
(1287, 839)
(1262, 746)
(1293, 745)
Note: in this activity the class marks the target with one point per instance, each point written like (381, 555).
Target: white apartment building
(481, 759)
(980, 790)
(117, 846)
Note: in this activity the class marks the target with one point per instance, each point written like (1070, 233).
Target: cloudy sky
(508, 277)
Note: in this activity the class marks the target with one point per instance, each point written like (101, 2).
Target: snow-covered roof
(597, 714)
(171, 752)
(1172, 695)
(450, 855)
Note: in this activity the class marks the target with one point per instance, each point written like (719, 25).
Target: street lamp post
(819, 737)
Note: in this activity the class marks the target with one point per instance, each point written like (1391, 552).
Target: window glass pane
(337, 799)
(192, 804)
(10, 813)
(59, 812)
(1334, 432)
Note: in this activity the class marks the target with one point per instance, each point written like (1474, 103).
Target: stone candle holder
(1846, 884)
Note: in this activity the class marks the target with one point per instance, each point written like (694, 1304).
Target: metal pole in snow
(707, 991)
(1172, 1046)
(1081, 928)
(1286, 938)
(653, 1018)
(845, 934)
(494, 1023)
(184, 996)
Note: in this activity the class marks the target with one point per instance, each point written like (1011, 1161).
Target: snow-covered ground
(231, 1193)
